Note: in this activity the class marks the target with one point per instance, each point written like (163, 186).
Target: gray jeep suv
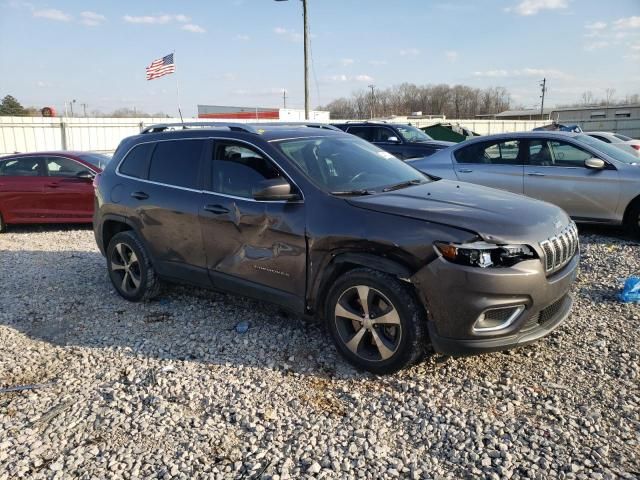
(326, 224)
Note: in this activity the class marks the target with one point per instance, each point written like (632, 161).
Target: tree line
(457, 101)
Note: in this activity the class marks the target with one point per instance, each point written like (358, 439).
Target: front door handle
(465, 170)
(140, 195)
(53, 185)
(535, 174)
(216, 209)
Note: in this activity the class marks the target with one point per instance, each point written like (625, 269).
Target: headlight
(483, 255)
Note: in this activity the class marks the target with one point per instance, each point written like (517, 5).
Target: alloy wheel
(125, 265)
(368, 323)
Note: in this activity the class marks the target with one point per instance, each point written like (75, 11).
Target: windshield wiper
(347, 193)
(400, 185)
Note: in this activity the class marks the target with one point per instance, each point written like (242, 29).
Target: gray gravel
(170, 390)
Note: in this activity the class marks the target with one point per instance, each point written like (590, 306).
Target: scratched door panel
(261, 242)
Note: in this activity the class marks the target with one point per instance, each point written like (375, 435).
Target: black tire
(3, 226)
(403, 333)
(633, 219)
(130, 268)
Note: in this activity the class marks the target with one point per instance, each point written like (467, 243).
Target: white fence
(32, 134)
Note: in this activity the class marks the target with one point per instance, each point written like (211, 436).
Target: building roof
(523, 113)
(597, 107)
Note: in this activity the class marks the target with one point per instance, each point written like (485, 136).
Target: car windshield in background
(349, 165)
(624, 138)
(614, 152)
(95, 159)
(413, 134)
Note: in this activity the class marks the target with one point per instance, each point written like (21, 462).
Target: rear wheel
(375, 321)
(3, 226)
(130, 268)
(633, 219)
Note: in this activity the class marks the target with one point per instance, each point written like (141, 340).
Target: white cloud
(337, 78)
(364, 78)
(596, 26)
(523, 72)
(291, 35)
(635, 47)
(347, 61)
(193, 28)
(624, 23)
(341, 77)
(451, 55)
(52, 14)
(92, 19)
(409, 52)
(596, 45)
(244, 38)
(532, 7)
(377, 63)
(156, 19)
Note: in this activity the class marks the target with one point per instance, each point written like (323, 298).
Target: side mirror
(594, 163)
(393, 140)
(85, 174)
(275, 189)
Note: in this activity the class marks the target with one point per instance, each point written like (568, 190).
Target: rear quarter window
(177, 162)
(136, 163)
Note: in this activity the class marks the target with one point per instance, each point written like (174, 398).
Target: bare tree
(609, 94)
(587, 98)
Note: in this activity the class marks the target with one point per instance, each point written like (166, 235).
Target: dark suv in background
(403, 141)
(326, 224)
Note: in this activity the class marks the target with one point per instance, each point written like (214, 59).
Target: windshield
(349, 165)
(614, 152)
(624, 138)
(95, 159)
(413, 134)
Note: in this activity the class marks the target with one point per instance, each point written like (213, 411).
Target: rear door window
(177, 163)
(493, 153)
(136, 163)
(22, 167)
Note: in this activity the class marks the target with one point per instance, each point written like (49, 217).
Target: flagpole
(177, 88)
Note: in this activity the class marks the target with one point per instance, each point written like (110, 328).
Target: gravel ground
(169, 389)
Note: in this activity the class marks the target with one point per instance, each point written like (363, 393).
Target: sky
(246, 52)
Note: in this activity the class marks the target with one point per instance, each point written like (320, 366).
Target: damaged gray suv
(328, 225)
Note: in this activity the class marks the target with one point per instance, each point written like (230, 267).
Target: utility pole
(71, 105)
(373, 98)
(306, 60)
(543, 86)
(284, 98)
(306, 57)
(84, 108)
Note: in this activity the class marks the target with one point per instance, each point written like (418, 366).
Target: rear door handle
(140, 195)
(535, 174)
(216, 209)
(465, 170)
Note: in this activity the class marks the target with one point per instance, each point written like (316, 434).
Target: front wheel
(130, 268)
(375, 321)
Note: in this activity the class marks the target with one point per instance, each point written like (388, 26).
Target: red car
(48, 187)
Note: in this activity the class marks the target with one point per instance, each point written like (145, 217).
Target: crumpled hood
(496, 215)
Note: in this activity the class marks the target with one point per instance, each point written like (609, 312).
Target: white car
(628, 144)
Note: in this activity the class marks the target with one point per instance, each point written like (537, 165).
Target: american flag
(160, 67)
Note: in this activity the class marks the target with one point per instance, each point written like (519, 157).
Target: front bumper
(456, 296)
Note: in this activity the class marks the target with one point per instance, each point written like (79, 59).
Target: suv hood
(496, 215)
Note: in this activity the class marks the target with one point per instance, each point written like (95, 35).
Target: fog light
(495, 319)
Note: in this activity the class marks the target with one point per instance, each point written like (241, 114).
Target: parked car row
(48, 187)
(391, 253)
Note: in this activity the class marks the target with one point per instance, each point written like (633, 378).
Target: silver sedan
(593, 181)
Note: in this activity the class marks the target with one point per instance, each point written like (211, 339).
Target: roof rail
(366, 121)
(324, 126)
(234, 127)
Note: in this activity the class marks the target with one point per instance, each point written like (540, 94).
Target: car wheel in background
(3, 226)
(633, 220)
(375, 321)
(130, 268)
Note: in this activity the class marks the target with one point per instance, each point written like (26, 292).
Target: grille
(559, 250)
(551, 311)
